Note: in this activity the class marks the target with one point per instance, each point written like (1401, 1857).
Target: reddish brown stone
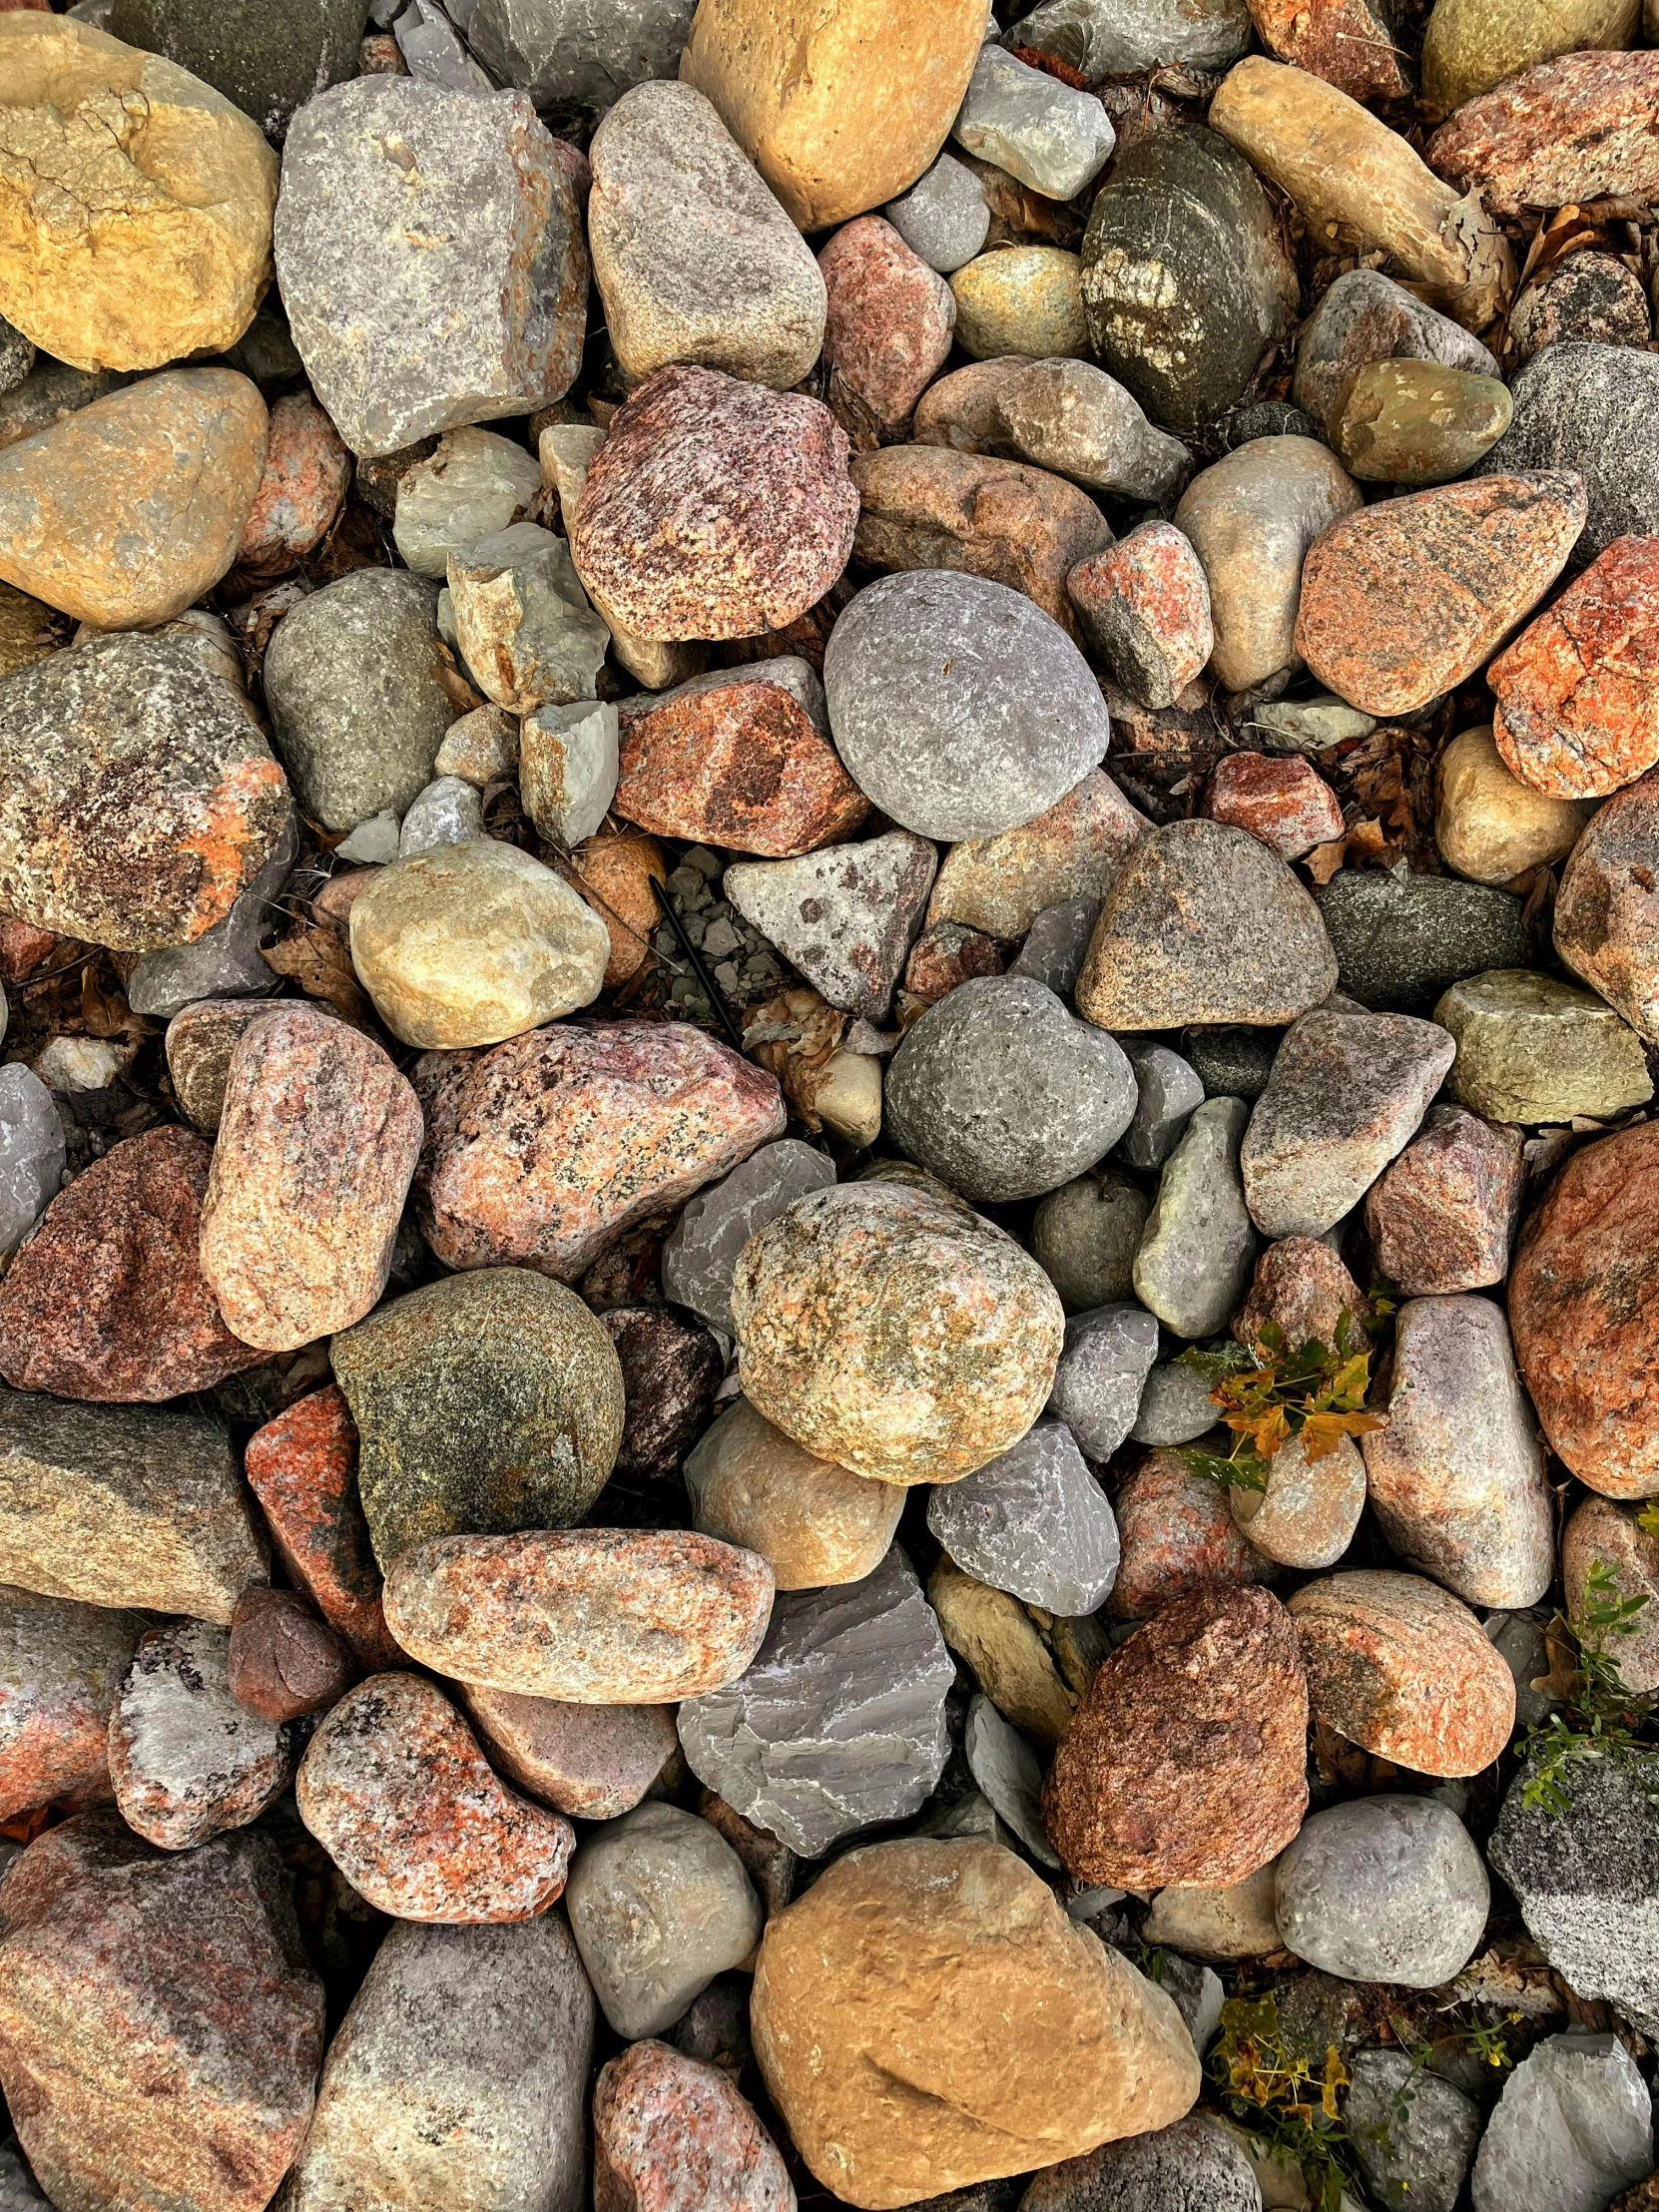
(1403, 601)
(109, 1300)
(925, 506)
(670, 1371)
(1286, 803)
(890, 318)
(1565, 129)
(61, 1669)
(541, 1151)
(1584, 1311)
(741, 765)
(1578, 690)
(398, 1793)
(591, 1761)
(1145, 604)
(1178, 1534)
(317, 1141)
(284, 1661)
(713, 508)
(307, 472)
(1442, 1215)
(1404, 1669)
(160, 2029)
(672, 2134)
(1607, 912)
(1303, 1286)
(769, 1864)
(1187, 1762)
(1347, 42)
(945, 955)
(303, 1468)
(24, 949)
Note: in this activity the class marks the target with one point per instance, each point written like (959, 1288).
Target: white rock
(568, 764)
(1047, 134)
(1573, 2127)
(474, 483)
(447, 811)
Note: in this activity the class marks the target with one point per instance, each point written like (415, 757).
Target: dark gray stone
(1196, 1251)
(1057, 943)
(1412, 2133)
(30, 1153)
(1364, 318)
(1384, 1888)
(589, 51)
(702, 1250)
(960, 709)
(1269, 418)
(1006, 1770)
(1121, 38)
(1232, 1062)
(1085, 1235)
(1103, 1369)
(1587, 298)
(1003, 1093)
(1169, 1094)
(1185, 282)
(19, 2191)
(226, 961)
(1573, 2126)
(840, 1722)
(266, 60)
(1194, 2166)
(17, 353)
(945, 216)
(1403, 940)
(1034, 1522)
(1593, 408)
(49, 393)
(845, 915)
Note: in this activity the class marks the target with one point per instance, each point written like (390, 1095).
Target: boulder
(1574, 2123)
(1307, 1515)
(670, 1371)
(1085, 1235)
(1384, 1888)
(890, 318)
(590, 1760)
(843, 915)
(1367, 318)
(1602, 1535)
(1286, 804)
(266, 66)
(1072, 850)
(1572, 128)
(1103, 1369)
(1199, 2158)
(1145, 606)
(302, 1467)
(1590, 408)
(557, 51)
(1413, 2133)
(1490, 825)
(282, 1662)
(528, 634)
(1032, 125)
(943, 217)
(1073, 418)
(1401, 940)
(1021, 299)
(1472, 45)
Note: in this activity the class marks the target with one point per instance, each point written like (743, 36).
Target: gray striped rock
(1033, 1522)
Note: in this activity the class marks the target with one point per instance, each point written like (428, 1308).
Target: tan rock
(1232, 1921)
(615, 875)
(1490, 824)
(1000, 885)
(1022, 300)
(127, 511)
(811, 1521)
(960, 411)
(998, 1638)
(926, 2017)
(840, 104)
(1472, 45)
(1307, 1515)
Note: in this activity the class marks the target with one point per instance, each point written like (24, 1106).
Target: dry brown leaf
(1325, 860)
(315, 958)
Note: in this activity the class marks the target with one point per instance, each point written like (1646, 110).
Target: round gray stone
(1412, 2133)
(1176, 1407)
(1384, 1888)
(1103, 1369)
(945, 216)
(1401, 940)
(1593, 408)
(1194, 2166)
(1034, 1522)
(1085, 1235)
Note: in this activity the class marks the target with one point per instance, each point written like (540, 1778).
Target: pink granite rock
(307, 473)
(1442, 1216)
(1145, 604)
(1178, 1535)
(1286, 803)
(673, 2134)
(890, 318)
(591, 1761)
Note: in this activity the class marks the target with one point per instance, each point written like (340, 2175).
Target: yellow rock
(840, 104)
(1472, 45)
(134, 201)
(997, 1637)
(813, 1523)
(123, 513)
(1490, 825)
(1022, 300)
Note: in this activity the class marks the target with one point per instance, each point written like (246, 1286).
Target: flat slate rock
(700, 1252)
(1034, 1522)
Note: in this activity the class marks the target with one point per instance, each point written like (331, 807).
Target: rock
(1404, 601)
(1195, 1254)
(282, 1662)
(1573, 2124)
(1490, 825)
(1201, 923)
(837, 111)
(943, 217)
(1346, 1094)
(308, 472)
(1412, 2133)
(1403, 1670)
(702, 1250)
(714, 509)
(468, 944)
(471, 485)
(1176, 1407)
(1442, 1216)
(1197, 2157)
(303, 1468)
(1056, 944)
(138, 203)
(1031, 125)
(840, 1721)
(945, 957)
(1589, 408)
(1384, 1888)
(1407, 422)
(1097, 1387)
(396, 1791)
(1250, 519)
(591, 1761)
(519, 1168)
(1232, 1921)
(1085, 1236)
(1310, 1509)
(104, 515)
(618, 878)
(1578, 690)
(1602, 1535)
(997, 1637)
(890, 318)
(61, 1669)
(317, 1141)
(1574, 127)
(1145, 605)
(268, 69)
(844, 916)
(473, 303)
(824, 1353)
(1021, 299)
(1311, 726)
(1350, 43)
(113, 1955)
(557, 52)
(670, 1369)
(1113, 38)
(446, 813)
(1472, 45)
(1169, 1093)
(1365, 317)
(659, 1904)
(1068, 416)
(1004, 1766)
(1185, 1761)
(1033, 1522)
(108, 1300)
(1606, 920)
(672, 2133)
(484, 1402)
(1531, 1049)
(1344, 167)
(1583, 1307)
(1301, 1286)
(1401, 940)
(351, 680)
(592, 1617)
(1588, 298)
(226, 960)
(830, 2023)
(813, 1523)
(458, 2075)
(186, 1760)
(1285, 804)
(526, 629)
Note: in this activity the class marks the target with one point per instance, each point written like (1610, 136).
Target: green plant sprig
(1602, 1717)
(1270, 1393)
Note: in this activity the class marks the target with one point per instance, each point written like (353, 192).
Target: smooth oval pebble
(810, 1520)
(1384, 1888)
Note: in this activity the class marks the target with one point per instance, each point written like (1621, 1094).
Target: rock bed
(828, 1291)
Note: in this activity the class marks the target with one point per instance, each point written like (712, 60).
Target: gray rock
(431, 51)
(1384, 1888)
(1346, 1096)
(1185, 282)
(1003, 1094)
(200, 1042)
(351, 679)
(1034, 1522)
(1401, 940)
(840, 1721)
(1573, 2127)
(373, 843)
(225, 962)
(447, 811)
(1269, 418)
(476, 482)
(186, 1760)
(659, 1904)
(1170, 1093)
(429, 252)
(715, 2026)
(702, 1247)
(1521, 1641)
(845, 915)
(1585, 298)
(1196, 1995)
(983, 2196)
(1072, 418)
(525, 624)
(1232, 1062)
(1023, 120)
(571, 50)
(1593, 408)
(1309, 725)
(18, 2189)
(960, 709)
(30, 1153)
(17, 353)
(1102, 1372)
(1085, 1235)
(1176, 1407)
(1412, 2133)
(1056, 945)
(1588, 1883)
(1194, 2166)
(568, 768)
(945, 216)
(1006, 1770)
(1121, 38)
(1196, 1251)
(1364, 318)
(459, 2076)
(267, 61)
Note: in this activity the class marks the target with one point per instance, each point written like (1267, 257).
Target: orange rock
(1178, 1534)
(1578, 690)
(615, 875)
(1570, 129)
(890, 318)
(1607, 912)
(945, 955)
(1286, 803)
(1350, 43)
(1145, 605)
(307, 472)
